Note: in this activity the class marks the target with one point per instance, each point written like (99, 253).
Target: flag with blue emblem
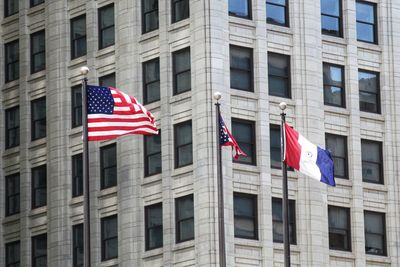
(112, 113)
(226, 139)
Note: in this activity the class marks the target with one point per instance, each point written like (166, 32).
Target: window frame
(75, 243)
(76, 108)
(375, 25)
(15, 195)
(100, 29)
(292, 214)
(173, 14)
(378, 93)
(384, 239)
(343, 95)
(104, 240)
(288, 78)
(143, 15)
(102, 168)
(340, 19)
(35, 121)
(381, 170)
(175, 73)
(346, 158)
(250, 72)
(254, 199)
(176, 147)
(77, 181)
(6, 5)
(286, 7)
(249, 7)
(349, 241)
(15, 129)
(74, 54)
(275, 127)
(34, 256)
(35, 205)
(253, 138)
(146, 155)
(12, 245)
(147, 228)
(32, 54)
(15, 64)
(145, 83)
(178, 220)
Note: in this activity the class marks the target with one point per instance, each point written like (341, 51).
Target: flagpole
(221, 220)
(85, 158)
(285, 199)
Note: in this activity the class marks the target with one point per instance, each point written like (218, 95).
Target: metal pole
(85, 158)
(221, 220)
(285, 198)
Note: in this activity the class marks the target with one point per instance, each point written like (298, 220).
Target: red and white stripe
(129, 117)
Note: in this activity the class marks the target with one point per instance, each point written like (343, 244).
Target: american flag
(112, 113)
(226, 139)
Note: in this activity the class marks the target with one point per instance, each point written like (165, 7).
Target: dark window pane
(39, 251)
(10, 7)
(152, 145)
(180, 10)
(277, 220)
(106, 26)
(151, 81)
(375, 233)
(330, 25)
(38, 55)
(275, 146)
(36, 2)
(365, 32)
(339, 228)
(183, 144)
(38, 118)
(11, 61)
(276, 14)
(13, 256)
(245, 216)
(365, 12)
(149, 15)
(154, 230)
(337, 145)
(12, 127)
(77, 241)
(78, 36)
(368, 83)
(12, 194)
(240, 8)
(244, 134)
(77, 175)
(108, 166)
(107, 80)
(372, 165)
(333, 77)
(184, 218)
(241, 66)
(109, 238)
(39, 187)
(76, 106)
(279, 75)
(181, 69)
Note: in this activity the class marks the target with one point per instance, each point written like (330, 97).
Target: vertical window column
(78, 36)
(245, 215)
(11, 61)
(339, 228)
(184, 213)
(151, 81)
(368, 84)
(77, 245)
(279, 75)
(38, 118)
(106, 26)
(334, 92)
(152, 154)
(13, 255)
(183, 144)
(39, 187)
(366, 22)
(372, 161)
(77, 175)
(38, 51)
(109, 238)
(108, 165)
(241, 68)
(337, 145)
(331, 17)
(154, 226)
(12, 194)
(181, 71)
(375, 233)
(76, 106)
(39, 251)
(149, 15)
(12, 127)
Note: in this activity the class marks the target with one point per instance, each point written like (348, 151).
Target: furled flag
(226, 139)
(112, 113)
(307, 158)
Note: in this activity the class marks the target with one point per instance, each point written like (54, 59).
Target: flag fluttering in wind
(307, 158)
(112, 113)
(226, 139)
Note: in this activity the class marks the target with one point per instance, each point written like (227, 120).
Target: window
(38, 113)
(331, 17)
(106, 26)
(108, 166)
(184, 218)
(368, 83)
(339, 228)
(12, 61)
(337, 145)
(245, 215)
(154, 226)
(77, 175)
(39, 251)
(275, 146)
(180, 10)
(149, 15)
(109, 238)
(38, 51)
(12, 194)
(279, 75)
(107, 80)
(10, 7)
(77, 245)
(181, 69)
(334, 93)
(39, 187)
(277, 220)
(372, 163)
(151, 81)
(375, 233)
(366, 22)
(244, 133)
(78, 36)
(152, 154)
(13, 256)
(240, 8)
(277, 12)
(183, 144)
(76, 106)
(12, 127)
(241, 66)
(36, 2)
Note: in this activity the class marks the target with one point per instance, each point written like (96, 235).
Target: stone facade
(209, 31)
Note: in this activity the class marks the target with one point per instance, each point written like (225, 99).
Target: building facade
(154, 200)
